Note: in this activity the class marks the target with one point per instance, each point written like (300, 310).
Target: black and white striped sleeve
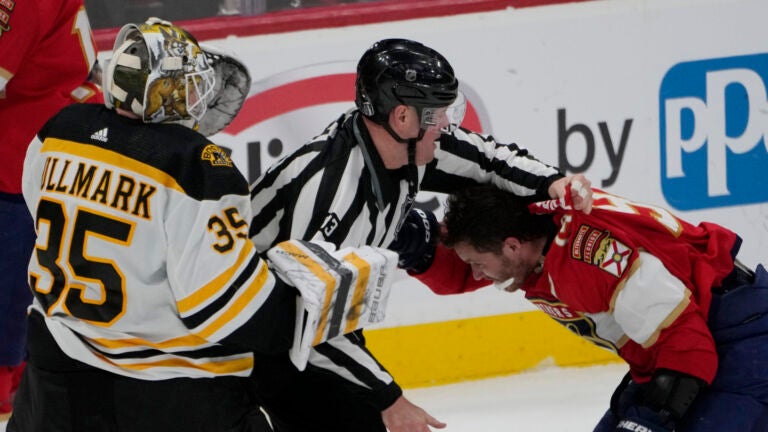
(465, 158)
(348, 357)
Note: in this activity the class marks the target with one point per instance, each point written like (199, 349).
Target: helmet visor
(448, 118)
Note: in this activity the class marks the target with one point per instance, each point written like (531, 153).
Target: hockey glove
(233, 82)
(416, 241)
(340, 291)
(642, 418)
(624, 396)
(656, 406)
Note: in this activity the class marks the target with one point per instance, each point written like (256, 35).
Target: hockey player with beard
(668, 297)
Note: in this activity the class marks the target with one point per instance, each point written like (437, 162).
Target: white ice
(547, 400)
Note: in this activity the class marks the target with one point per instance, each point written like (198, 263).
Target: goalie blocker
(340, 291)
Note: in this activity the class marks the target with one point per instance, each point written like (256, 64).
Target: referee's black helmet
(402, 72)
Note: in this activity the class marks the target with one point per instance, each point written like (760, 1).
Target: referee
(353, 185)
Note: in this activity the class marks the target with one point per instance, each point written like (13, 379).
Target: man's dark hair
(483, 216)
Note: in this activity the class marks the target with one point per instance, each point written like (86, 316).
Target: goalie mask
(404, 72)
(159, 73)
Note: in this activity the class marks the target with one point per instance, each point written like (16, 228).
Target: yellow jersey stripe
(209, 290)
(197, 298)
(247, 296)
(329, 280)
(364, 272)
(201, 337)
(222, 367)
(113, 158)
(179, 342)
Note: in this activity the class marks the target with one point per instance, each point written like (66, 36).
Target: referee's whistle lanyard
(413, 181)
(412, 170)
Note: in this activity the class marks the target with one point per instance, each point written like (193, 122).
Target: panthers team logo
(582, 325)
(216, 156)
(598, 248)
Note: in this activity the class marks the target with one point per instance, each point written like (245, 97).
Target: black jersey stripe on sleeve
(326, 190)
(352, 365)
(199, 317)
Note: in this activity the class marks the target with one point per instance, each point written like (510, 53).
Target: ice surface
(547, 400)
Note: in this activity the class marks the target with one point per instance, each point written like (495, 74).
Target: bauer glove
(340, 291)
(416, 241)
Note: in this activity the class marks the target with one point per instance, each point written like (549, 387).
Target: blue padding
(17, 239)
(725, 412)
(737, 400)
(739, 313)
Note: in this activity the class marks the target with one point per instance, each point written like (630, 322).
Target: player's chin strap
(413, 174)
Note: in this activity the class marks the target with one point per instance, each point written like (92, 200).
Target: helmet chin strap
(397, 137)
(413, 174)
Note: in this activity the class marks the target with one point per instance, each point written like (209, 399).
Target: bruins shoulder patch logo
(597, 247)
(216, 156)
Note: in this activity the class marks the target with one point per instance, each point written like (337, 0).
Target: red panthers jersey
(46, 53)
(629, 277)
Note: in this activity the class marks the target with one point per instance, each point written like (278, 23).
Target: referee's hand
(581, 191)
(403, 416)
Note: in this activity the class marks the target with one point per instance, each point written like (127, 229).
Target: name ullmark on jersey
(216, 156)
(597, 247)
(98, 184)
(99, 135)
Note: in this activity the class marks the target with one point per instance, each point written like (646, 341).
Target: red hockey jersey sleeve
(448, 274)
(46, 53)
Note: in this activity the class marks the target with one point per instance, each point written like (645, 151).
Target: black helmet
(402, 72)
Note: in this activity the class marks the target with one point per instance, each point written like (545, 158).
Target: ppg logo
(714, 132)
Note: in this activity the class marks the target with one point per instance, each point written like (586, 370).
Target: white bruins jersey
(142, 266)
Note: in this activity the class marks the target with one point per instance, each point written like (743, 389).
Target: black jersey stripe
(142, 352)
(340, 358)
(170, 148)
(196, 319)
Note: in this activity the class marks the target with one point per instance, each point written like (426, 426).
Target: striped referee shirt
(336, 189)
